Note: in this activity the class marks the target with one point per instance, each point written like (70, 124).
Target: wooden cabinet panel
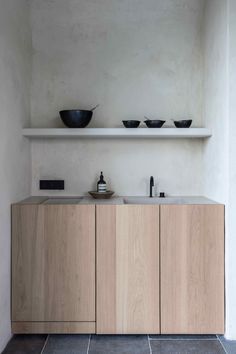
(53, 327)
(128, 269)
(192, 269)
(53, 263)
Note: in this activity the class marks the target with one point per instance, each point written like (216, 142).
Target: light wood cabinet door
(192, 269)
(53, 263)
(127, 269)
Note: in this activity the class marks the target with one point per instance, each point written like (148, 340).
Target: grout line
(222, 344)
(89, 344)
(149, 344)
(46, 341)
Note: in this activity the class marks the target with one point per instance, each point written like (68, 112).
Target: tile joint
(149, 344)
(89, 343)
(46, 341)
(222, 344)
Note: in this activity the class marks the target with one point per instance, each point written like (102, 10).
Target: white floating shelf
(144, 133)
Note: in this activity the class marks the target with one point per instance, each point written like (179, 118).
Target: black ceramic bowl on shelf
(154, 123)
(131, 123)
(184, 123)
(76, 118)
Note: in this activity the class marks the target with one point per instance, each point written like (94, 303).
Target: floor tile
(25, 344)
(67, 344)
(186, 347)
(125, 344)
(229, 345)
(181, 337)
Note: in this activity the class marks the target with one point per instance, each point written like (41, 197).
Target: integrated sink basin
(63, 200)
(167, 200)
(154, 200)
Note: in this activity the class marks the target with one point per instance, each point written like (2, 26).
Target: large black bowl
(185, 123)
(76, 118)
(154, 123)
(131, 123)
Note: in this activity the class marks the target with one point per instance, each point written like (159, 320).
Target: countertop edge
(136, 200)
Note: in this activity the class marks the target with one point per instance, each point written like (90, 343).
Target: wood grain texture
(106, 269)
(53, 263)
(28, 262)
(192, 269)
(128, 269)
(53, 327)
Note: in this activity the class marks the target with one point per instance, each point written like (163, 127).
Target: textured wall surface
(127, 165)
(15, 68)
(219, 152)
(231, 220)
(215, 150)
(134, 58)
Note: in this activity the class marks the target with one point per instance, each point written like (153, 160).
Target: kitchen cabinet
(127, 269)
(192, 269)
(53, 268)
(79, 266)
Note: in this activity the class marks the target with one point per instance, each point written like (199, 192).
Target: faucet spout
(151, 186)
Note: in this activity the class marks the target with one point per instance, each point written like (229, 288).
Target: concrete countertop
(84, 200)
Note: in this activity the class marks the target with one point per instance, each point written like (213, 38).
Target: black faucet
(151, 186)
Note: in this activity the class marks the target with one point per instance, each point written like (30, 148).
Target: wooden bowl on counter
(101, 195)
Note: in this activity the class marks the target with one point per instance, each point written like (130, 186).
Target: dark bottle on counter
(101, 185)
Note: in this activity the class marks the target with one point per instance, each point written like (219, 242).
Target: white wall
(220, 151)
(127, 165)
(231, 225)
(15, 67)
(134, 58)
(215, 149)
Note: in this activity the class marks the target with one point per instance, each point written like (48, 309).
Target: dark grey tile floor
(92, 344)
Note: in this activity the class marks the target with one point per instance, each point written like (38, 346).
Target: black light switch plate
(46, 184)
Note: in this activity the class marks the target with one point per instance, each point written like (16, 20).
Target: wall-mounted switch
(46, 184)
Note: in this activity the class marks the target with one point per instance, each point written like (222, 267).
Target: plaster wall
(127, 165)
(215, 149)
(15, 171)
(231, 221)
(134, 59)
(219, 152)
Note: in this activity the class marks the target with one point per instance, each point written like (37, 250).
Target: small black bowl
(76, 118)
(154, 123)
(185, 123)
(131, 123)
